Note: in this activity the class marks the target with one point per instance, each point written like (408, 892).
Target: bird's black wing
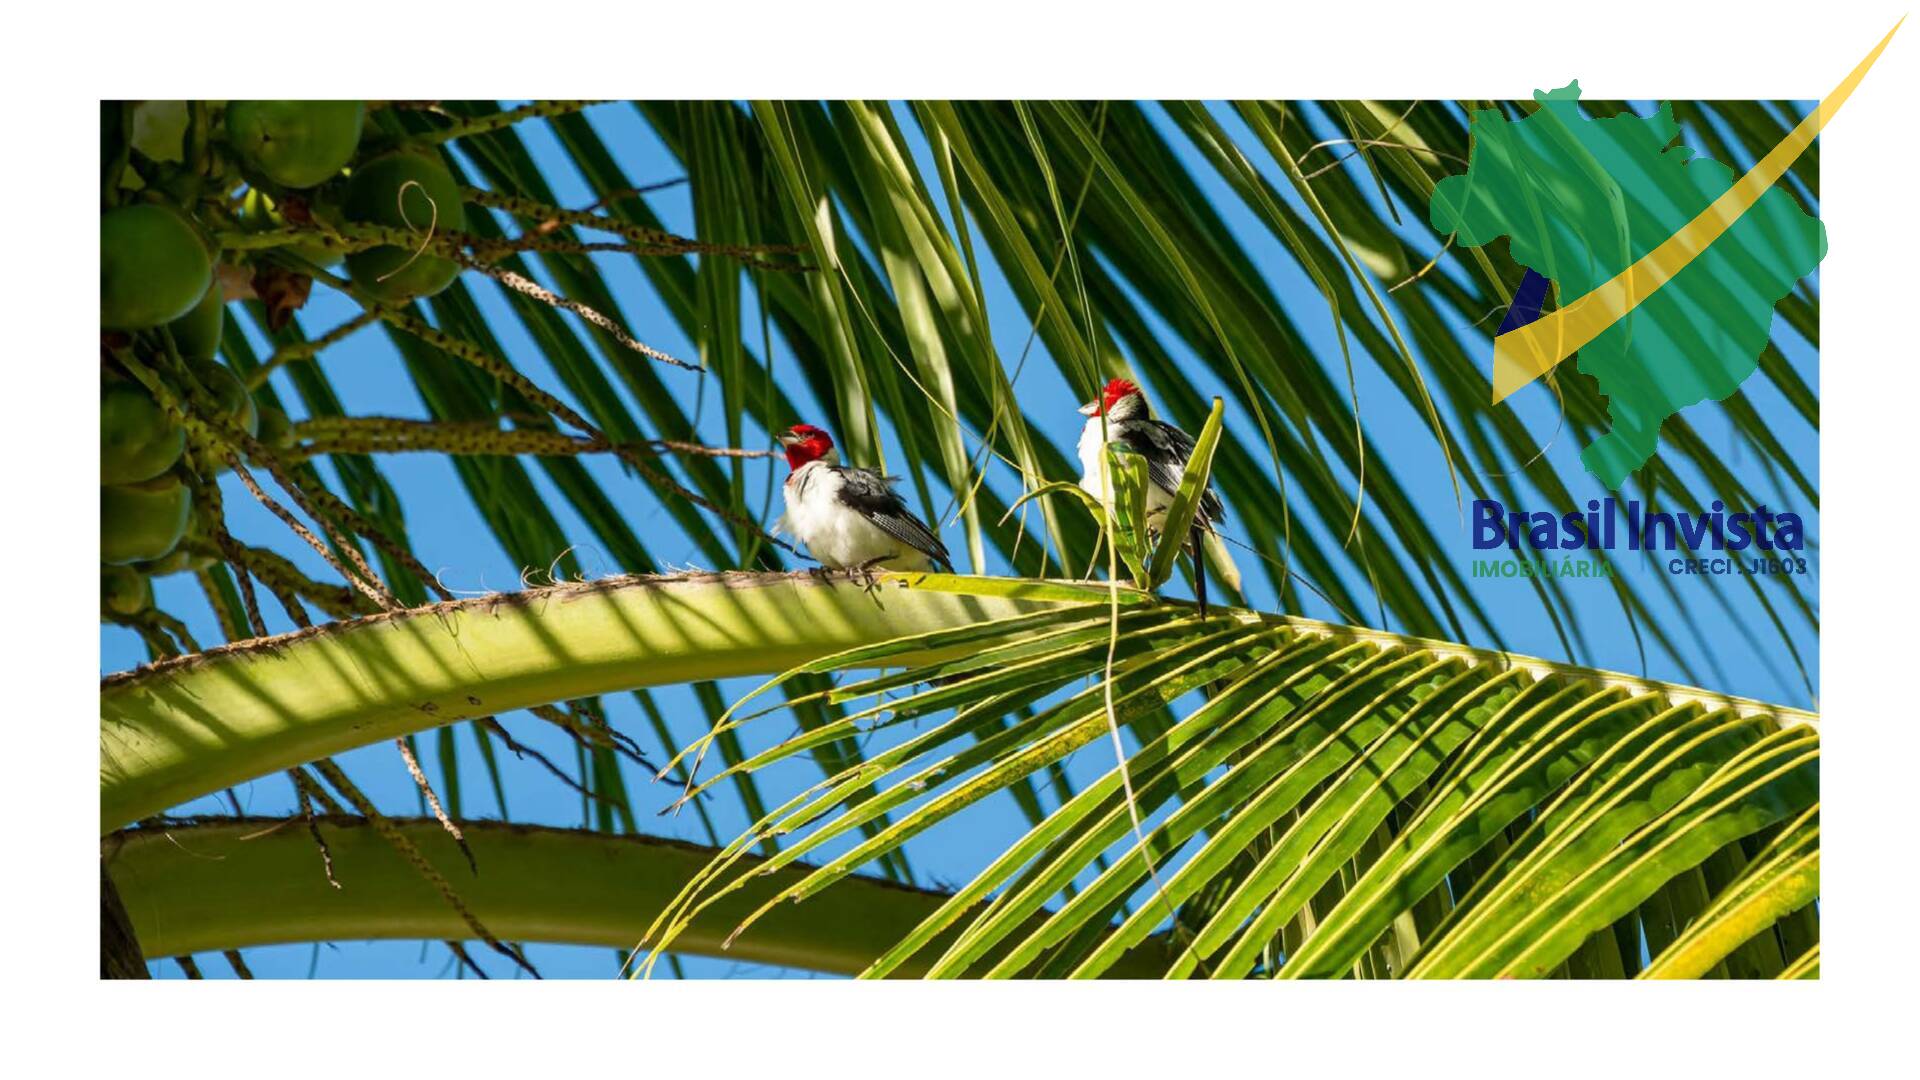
(1167, 450)
(872, 496)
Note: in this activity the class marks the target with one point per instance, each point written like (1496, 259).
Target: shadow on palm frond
(1337, 802)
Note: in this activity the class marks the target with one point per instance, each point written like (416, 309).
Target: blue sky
(1734, 639)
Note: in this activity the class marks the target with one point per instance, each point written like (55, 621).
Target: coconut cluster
(177, 177)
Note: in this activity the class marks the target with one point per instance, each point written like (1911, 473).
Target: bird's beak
(1091, 408)
(786, 438)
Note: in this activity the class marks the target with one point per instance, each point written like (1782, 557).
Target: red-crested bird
(850, 518)
(1167, 450)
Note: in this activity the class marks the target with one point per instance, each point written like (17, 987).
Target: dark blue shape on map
(1526, 302)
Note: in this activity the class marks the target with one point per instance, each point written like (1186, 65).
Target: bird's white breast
(834, 533)
(1091, 447)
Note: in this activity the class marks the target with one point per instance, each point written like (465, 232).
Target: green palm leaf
(1364, 775)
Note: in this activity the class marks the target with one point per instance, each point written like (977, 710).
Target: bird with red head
(804, 443)
(1120, 399)
(851, 518)
(1120, 414)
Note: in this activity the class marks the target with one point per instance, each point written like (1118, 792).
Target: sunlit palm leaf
(1430, 810)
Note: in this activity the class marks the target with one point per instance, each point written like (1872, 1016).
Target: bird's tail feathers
(1199, 568)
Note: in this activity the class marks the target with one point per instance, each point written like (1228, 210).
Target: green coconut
(296, 144)
(197, 333)
(142, 521)
(230, 392)
(407, 191)
(137, 440)
(181, 559)
(124, 590)
(153, 267)
(276, 431)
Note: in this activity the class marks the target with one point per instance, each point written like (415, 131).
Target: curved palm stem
(173, 731)
(234, 883)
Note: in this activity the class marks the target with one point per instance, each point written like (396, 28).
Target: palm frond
(1336, 801)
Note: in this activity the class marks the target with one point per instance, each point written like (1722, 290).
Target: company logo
(1758, 540)
(1628, 228)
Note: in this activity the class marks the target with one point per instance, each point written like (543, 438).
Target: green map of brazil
(1581, 199)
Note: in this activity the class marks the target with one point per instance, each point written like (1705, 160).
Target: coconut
(137, 440)
(142, 521)
(276, 431)
(153, 267)
(197, 333)
(230, 392)
(182, 558)
(415, 193)
(296, 144)
(124, 590)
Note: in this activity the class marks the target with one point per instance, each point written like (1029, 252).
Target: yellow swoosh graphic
(1523, 355)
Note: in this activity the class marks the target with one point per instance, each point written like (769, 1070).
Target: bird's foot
(870, 581)
(821, 574)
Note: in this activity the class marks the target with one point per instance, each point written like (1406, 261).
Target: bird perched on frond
(1167, 450)
(850, 518)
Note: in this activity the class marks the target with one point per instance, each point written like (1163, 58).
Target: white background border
(64, 57)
